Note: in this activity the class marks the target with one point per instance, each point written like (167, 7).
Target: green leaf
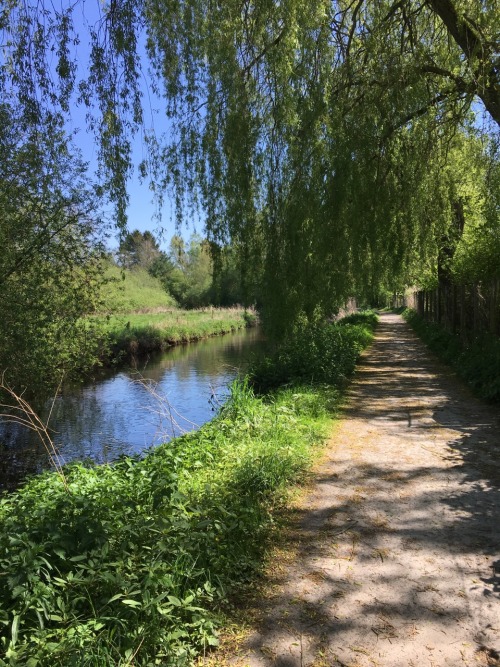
(15, 629)
(175, 601)
(78, 559)
(212, 641)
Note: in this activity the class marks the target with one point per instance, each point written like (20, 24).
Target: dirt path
(395, 556)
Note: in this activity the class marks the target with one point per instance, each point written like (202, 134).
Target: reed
(20, 411)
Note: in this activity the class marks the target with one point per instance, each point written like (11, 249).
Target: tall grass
(128, 564)
(136, 333)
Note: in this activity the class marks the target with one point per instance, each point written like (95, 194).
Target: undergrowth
(130, 562)
(476, 361)
(316, 354)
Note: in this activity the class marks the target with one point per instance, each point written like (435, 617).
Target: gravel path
(395, 554)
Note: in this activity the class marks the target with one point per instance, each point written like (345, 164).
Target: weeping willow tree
(312, 135)
(316, 134)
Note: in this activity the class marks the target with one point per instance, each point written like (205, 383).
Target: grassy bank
(137, 291)
(131, 563)
(140, 317)
(476, 361)
(140, 333)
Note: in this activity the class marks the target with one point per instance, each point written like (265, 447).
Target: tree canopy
(50, 236)
(138, 249)
(314, 135)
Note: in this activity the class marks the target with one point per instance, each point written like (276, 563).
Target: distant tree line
(187, 270)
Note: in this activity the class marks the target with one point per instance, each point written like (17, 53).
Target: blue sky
(141, 210)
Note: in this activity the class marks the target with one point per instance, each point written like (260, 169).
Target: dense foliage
(128, 562)
(186, 270)
(316, 354)
(50, 267)
(322, 131)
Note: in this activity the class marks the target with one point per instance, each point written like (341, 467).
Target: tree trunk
(477, 51)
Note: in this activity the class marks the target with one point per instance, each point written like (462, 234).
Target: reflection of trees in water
(89, 427)
(220, 355)
(116, 416)
(19, 461)
(211, 357)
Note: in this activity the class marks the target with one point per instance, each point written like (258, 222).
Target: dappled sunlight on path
(394, 558)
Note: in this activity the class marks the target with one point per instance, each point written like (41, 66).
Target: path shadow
(400, 387)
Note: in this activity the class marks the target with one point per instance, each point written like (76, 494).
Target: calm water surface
(119, 413)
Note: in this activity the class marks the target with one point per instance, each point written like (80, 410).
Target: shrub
(316, 354)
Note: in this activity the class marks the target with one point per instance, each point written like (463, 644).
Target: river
(127, 411)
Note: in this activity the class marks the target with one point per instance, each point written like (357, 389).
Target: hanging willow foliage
(312, 133)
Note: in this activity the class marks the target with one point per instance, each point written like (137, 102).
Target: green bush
(316, 354)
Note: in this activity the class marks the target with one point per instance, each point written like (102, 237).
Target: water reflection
(118, 414)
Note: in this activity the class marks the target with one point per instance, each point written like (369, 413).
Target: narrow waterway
(127, 411)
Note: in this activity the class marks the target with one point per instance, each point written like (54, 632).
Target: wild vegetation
(136, 334)
(51, 237)
(139, 315)
(314, 354)
(132, 291)
(332, 149)
(132, 563)
(326, 145)
(102, 312)
(186, 270)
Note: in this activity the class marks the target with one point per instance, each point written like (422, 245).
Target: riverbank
(115, 414)
(137, 334)
(134, 562)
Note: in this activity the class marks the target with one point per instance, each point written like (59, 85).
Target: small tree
(49, 265)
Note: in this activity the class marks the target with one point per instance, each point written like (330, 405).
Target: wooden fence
(468, 309)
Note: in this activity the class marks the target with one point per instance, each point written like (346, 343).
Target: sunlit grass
(133, 291)
(131, 563)
(138, 333)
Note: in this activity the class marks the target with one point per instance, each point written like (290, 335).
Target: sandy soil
(394, 555)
